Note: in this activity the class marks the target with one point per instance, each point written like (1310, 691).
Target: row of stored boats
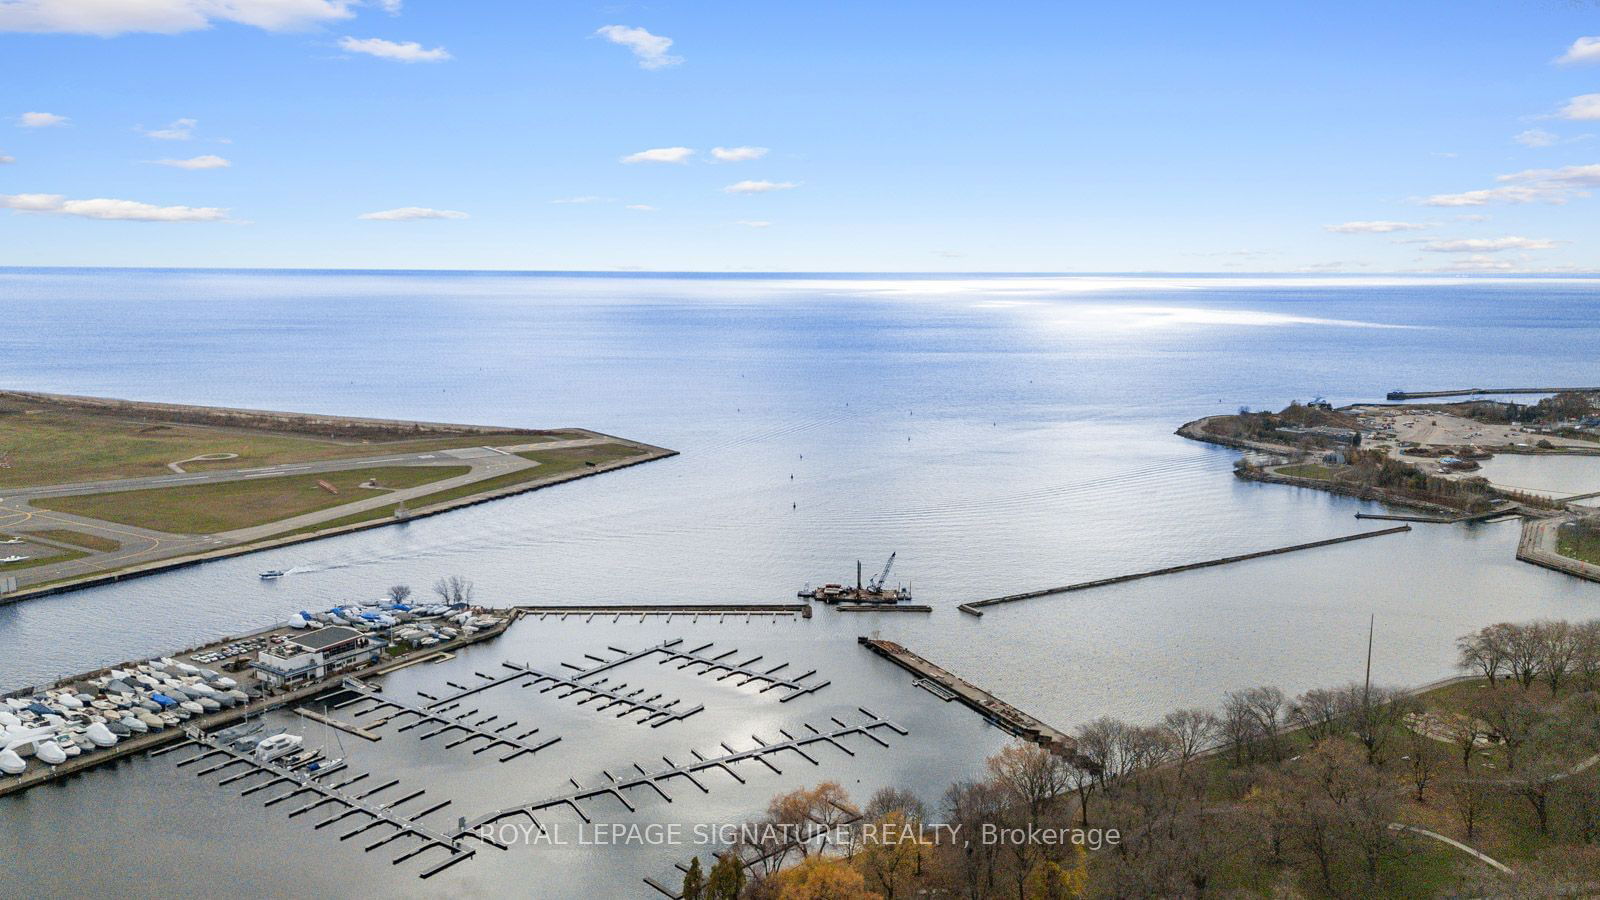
(55, 725)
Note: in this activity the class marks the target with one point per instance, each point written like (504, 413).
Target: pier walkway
(694, 610)
(975, 608)
(429, 714)
(988, 705)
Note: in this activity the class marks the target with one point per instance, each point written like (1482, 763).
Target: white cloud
(40, 119)
(1489, 245)
(1528, 186)
(195, 162)
(753, 223)
(1583, 50)
(1480, 263)
(408, 52)
(112, 17)
(117, 210)
(650, 49)
(181, 130)
(642, 207)
(758, 187)
(660, 155)
(1473, 217)
(738, 154)
(6, 160)
(1374, 227)
(410, 213)
(392, 7)
(1582, 108)
(1537, 137)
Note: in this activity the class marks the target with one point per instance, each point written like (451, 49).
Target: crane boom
(876, 584)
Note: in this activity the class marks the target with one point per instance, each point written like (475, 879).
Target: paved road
(142, 545)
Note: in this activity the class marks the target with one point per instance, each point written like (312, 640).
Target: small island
(95, 490)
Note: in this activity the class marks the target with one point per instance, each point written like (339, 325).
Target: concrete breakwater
(988, 705)
(975, 608)
(1537, 545)
(1479, 392)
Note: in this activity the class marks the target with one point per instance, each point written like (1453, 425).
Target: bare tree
(1511, 718)
(1523, 653)
(1376, 714)
(1468, 796)
(400, 592)
(1419, 751)
(1557, 645)
(1484, 650)
(1191, 731)
(454, 589)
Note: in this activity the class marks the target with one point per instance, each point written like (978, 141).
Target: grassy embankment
(58, 445)
(213, 508)
(78, 539)
(59, 556)
(1504, 825)
(552, 463)
(1309, 470)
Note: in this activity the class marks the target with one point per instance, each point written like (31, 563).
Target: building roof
(323, 638)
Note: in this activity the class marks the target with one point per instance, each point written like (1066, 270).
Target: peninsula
(94, 490)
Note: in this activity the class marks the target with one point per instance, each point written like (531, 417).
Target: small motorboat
(47, 751)
(272, 573)
(100, 735)
(11, 763)
(117, 729)
(277, 745)
(135, 724)
(192, 708)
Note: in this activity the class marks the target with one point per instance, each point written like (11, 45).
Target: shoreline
(193, 559)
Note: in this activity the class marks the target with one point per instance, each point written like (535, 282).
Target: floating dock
(302, 782)
(642, 778)
(941, 682)
(883, 607)
(974, 608)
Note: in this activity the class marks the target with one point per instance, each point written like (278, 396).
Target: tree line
(1266, 792)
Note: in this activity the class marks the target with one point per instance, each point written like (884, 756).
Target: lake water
(1001, 434)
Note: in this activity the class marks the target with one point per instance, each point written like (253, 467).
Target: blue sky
(934, 136)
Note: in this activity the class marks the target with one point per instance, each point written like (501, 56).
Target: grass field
(59, 556)
(1308, 470)
(211, 508)
(79, 539)
(552, 463)
(1587, 551)
(56, 446)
